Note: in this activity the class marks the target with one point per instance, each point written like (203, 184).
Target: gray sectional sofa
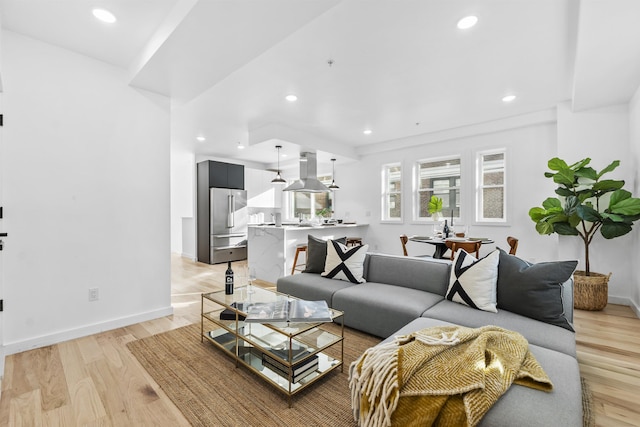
(404, 294)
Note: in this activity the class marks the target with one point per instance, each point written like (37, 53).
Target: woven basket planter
(590, 292)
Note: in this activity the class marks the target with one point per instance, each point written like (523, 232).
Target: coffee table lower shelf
(251, 356)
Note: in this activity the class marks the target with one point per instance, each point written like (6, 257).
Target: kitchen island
(271, 249)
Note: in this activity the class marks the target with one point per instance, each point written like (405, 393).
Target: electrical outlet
(93, 294)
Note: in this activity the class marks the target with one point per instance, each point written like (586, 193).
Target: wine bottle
(228, 280)
(445, 229)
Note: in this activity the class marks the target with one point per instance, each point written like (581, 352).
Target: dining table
(440, 243)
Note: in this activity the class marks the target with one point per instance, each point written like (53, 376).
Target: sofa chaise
(404, 294)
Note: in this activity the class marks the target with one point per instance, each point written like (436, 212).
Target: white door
(2, 240)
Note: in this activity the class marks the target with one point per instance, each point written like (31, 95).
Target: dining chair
(404, 239)
(513, 244)
(468, 247)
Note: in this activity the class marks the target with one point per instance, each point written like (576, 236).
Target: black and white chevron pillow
(474, 281)
(345, 263)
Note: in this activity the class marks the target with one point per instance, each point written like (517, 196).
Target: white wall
(86, 196)
(529, 148)
(603, 134)
(634, 159)
(183, 183)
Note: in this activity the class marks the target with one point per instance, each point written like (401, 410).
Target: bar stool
(354, 241)
(299, 248)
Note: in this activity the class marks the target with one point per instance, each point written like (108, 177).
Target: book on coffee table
(289, 311)
(296, 367)
(297, 374)
(230, 314)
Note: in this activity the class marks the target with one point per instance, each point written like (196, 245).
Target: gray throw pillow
(534, 290)
(317, 253)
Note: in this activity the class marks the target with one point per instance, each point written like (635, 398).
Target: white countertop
(271, 250)
(307, 227)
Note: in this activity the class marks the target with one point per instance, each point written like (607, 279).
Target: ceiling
(398, 68)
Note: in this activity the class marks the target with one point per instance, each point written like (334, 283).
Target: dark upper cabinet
(218, 175)
(235, 176)
(224, 175)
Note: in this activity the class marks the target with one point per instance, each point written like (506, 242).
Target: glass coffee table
(290, 356)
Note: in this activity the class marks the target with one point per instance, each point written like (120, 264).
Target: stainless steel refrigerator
(229, 218)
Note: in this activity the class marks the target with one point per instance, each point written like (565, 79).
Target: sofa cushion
(345, 263)
(523, 405)
(379, 309)
(424, 274)
(312, 287)
(538, 333)
(534, 290)
(317, 253)
(473, 281)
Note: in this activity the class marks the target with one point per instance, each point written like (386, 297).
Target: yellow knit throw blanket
(441, 376)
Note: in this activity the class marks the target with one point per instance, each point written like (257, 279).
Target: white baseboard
(189, 256)
(635, 308)
(83, 331)
(612, 299)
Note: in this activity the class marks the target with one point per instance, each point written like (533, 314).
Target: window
(309, 204)
(392, 192)
(491, 194)
(440, 178)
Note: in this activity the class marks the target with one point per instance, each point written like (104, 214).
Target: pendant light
(278, 179)
(333, 185)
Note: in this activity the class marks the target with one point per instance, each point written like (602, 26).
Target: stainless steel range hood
(308, 181)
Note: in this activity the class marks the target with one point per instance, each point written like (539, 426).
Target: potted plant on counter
(324, 215)
(586, 204)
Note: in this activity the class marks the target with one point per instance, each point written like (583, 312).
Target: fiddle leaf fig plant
(586, 203)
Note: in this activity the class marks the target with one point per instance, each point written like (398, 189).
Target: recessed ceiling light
(240, 146)
(104, 15)
(291, 98)
(508, 98)
(201, 138)
(467, 22)
(367, 131)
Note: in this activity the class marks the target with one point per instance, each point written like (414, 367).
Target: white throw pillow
(474, 282)
(345, 263)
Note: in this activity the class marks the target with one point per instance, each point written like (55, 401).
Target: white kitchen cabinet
(261, 193)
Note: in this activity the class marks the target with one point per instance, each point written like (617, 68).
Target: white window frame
(289, 200)
(416, 192)
(480, 186)
(386, 193)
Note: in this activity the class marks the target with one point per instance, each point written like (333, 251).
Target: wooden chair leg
(295, 262)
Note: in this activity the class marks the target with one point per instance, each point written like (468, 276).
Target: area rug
(588, 416)
(206, 386)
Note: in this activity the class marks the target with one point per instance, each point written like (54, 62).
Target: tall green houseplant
(587, 204)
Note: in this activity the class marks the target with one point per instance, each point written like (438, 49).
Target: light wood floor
(95, 381)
